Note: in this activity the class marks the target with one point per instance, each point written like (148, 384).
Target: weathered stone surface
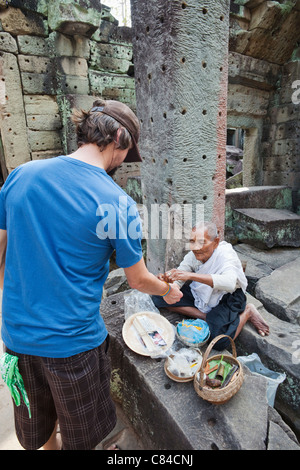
(111, 58)
(239, 102)
(38, 83)
(40, 65)
(38, 6)
(44, 140)
(74, 46)
(8, 43)
(279, 292)
(17, 22)
(33, 45)
(267, 227)
(116, 282)
(80, 17)
(279, 352)
(112, 86)
(66, 103)
(278, 439)
(13, 123)
(42, 112)
(251, 72)
(182, 44)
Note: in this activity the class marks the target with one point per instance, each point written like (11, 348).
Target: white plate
(133, 340)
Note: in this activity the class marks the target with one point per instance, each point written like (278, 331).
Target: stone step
(266, 228)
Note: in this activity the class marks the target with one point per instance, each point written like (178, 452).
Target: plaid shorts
(75, 390)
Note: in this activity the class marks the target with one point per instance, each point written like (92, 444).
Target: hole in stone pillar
(183, 111)
(204, 157)
(204, 112)
(149, 76)
(167, 386)
(182, 60)
(222, 18)
(165, 115)
(163, 67)
(185, 159)
(204, 65)
(204, 11)
(204, 198)
(183, 5)
(147, 29)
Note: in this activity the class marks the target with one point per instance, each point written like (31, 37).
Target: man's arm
(3, 243)
(140, 278)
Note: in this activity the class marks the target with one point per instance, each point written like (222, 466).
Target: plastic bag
(255, 365)
(193, 332)
(136, 301)
(13, 379)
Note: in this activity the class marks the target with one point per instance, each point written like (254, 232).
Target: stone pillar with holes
(181, 72)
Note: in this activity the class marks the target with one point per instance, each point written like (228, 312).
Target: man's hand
(174, 294)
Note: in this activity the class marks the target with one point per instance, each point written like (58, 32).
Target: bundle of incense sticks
(144, 334)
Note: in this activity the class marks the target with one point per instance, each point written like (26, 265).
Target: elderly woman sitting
(213, 284)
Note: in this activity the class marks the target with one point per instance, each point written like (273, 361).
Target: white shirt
(226, 270)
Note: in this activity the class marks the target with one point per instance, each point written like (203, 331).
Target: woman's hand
(176, 275)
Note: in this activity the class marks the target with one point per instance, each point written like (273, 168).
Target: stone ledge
(170, 415)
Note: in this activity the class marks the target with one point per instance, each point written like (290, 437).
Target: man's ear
(217, 241)
(118, 135)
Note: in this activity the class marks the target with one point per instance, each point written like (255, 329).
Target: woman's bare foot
(257, 320)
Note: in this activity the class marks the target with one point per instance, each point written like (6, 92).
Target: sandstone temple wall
(53, 56)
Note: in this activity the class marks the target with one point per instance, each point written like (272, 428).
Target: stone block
(44, 140)
(76, 66)
(73, 84)
(112, 33)
(41, 155)
(279, 292)
(13, 125)
(38, 6)
(17, 22)
(113, 86)
(276, 197)
(42, 113)
(245, 100)
(267, 227)
(73, 46)
(33, 45)
(38, 83)
(248, 71)
(8, 43)
(40, 104)
(34, 64)
(79, 17)
(265, 15)
(110, 58)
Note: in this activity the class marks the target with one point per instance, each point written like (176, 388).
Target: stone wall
(264, 74)
(55, 55)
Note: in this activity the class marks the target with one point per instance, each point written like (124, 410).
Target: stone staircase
(262, 216)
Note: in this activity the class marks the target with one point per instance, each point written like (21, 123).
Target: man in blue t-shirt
(60, 221)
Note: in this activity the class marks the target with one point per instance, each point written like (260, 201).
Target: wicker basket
(218, 396)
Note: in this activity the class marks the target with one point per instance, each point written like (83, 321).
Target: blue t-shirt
(63, 218)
